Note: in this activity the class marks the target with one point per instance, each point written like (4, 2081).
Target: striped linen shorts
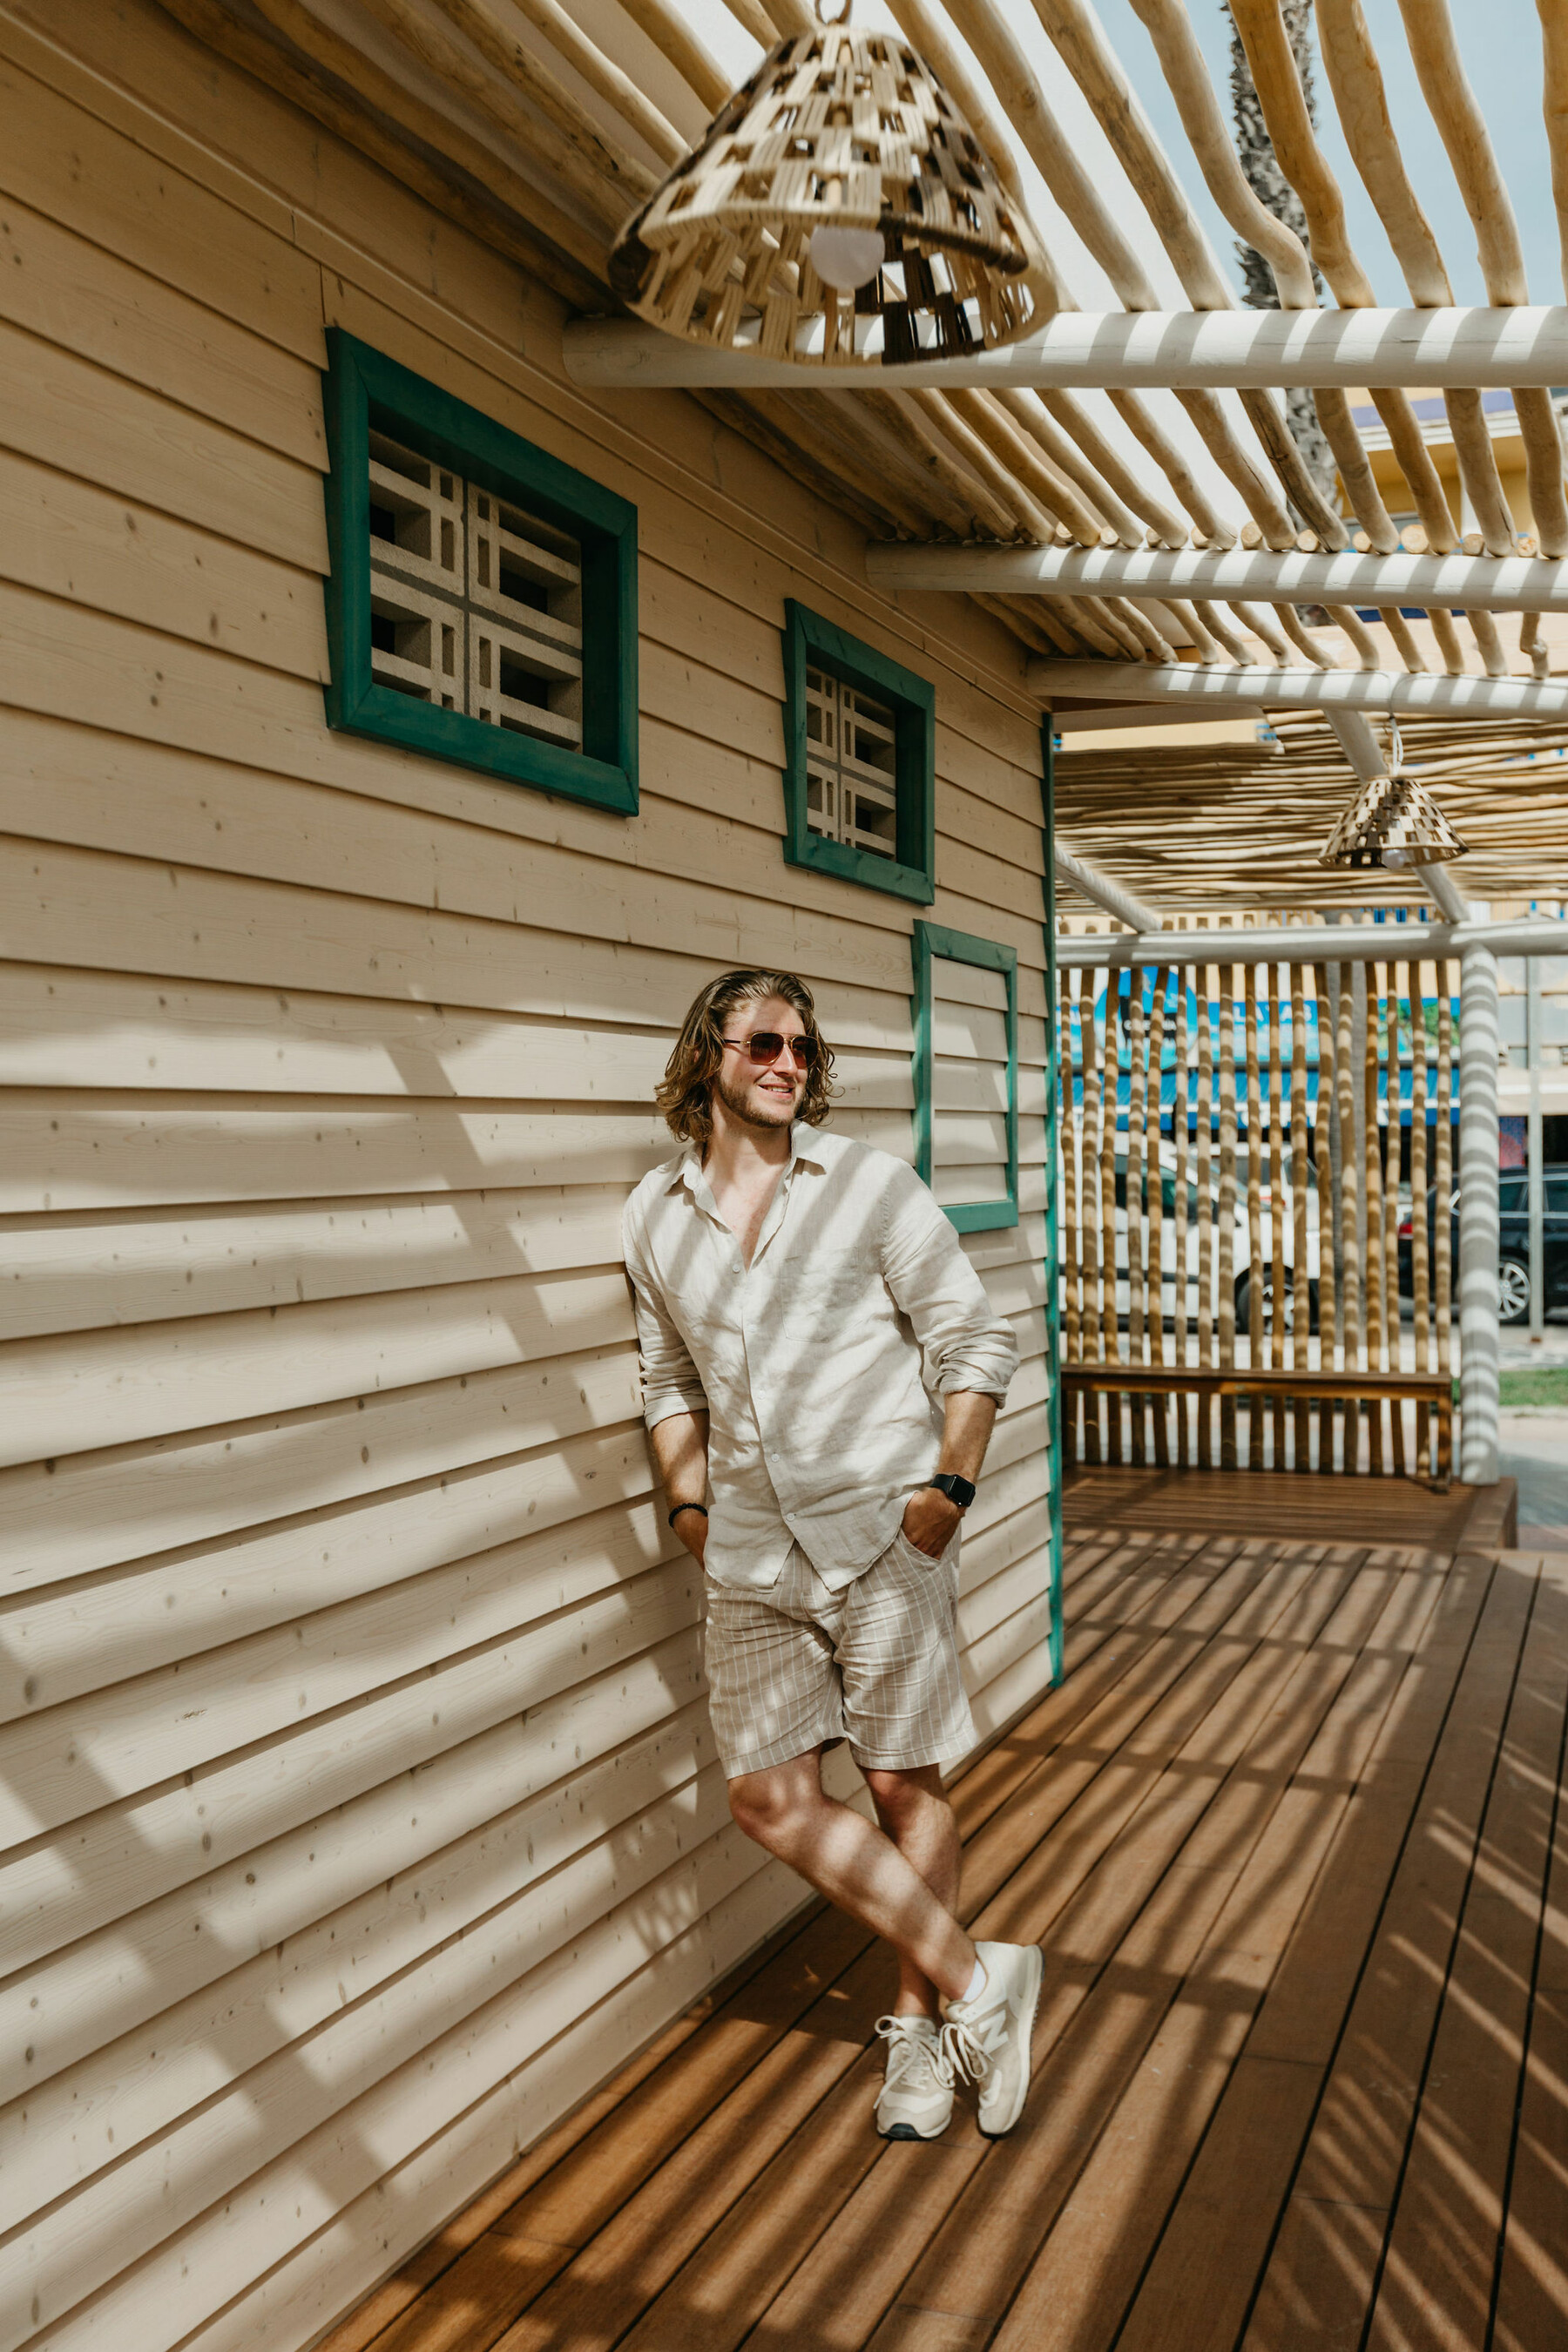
(797, 1664)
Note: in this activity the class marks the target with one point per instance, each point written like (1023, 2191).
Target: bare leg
(786, 1810)
(913, 1810)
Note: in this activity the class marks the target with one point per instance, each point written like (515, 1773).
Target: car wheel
(1513, 1291)
(1244, 1303)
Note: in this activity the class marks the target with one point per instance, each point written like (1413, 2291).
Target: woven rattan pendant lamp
(840, 207)
(1393, 822)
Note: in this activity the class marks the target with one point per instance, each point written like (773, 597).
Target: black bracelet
(672, 1517)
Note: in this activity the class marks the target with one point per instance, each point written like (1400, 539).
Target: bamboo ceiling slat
(477, 104)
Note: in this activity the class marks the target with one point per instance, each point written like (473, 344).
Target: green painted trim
(364, 386)
(1053, 1277)
(912, 873)
(929, 943)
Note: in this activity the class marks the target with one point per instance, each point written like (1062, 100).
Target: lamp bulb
(846, 259)
(1396, 856)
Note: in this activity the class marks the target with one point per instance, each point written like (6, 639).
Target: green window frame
(810, 643)
(573, 597)
(933, 944)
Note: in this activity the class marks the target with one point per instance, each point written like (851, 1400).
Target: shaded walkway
(1289, 1835)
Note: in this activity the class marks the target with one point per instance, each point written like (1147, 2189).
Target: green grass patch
(1545, 1386)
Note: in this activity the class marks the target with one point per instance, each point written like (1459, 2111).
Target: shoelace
(910, 2051)
(968, 2048)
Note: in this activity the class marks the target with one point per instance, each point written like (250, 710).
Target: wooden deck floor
(1290, 1833)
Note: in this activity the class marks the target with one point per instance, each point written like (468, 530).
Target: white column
(1479, 1029)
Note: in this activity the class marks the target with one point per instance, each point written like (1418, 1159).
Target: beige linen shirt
(821, 1366)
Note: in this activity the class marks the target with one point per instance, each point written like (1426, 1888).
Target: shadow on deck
(1290, 1833)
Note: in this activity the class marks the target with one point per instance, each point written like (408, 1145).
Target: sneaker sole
(1026, 2027)
(907, 2131)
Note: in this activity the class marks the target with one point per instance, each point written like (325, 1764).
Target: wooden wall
(360, 1809)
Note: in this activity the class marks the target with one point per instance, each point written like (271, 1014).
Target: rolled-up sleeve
(965, 1342)
(671, 1383)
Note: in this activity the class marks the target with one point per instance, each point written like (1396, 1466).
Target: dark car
(1513, 1244)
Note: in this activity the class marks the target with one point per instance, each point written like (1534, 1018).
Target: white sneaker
(915, 2101)
(987, 2038)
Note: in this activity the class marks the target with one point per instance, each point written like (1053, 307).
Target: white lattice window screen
(851, 790)
(475, 605)
(969, 1082)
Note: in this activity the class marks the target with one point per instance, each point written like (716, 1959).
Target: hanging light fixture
(840, 207)
(1393, 822)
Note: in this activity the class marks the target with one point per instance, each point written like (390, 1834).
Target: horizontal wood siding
(359, 1807)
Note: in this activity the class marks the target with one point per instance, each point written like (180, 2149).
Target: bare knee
(900, 1798)
(774, 1810)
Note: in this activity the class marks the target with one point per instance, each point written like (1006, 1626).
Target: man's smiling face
(761, 1095)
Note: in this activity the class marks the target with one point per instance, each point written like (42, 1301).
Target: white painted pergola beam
(1490, 584)
(1313, 943)
(1198, 686)
(1132, 349)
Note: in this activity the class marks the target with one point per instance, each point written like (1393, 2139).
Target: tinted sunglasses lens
(767, 1044)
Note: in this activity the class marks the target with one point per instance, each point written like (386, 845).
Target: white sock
(976, 1984)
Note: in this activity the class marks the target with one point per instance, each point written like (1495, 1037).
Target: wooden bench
(1324, 1392)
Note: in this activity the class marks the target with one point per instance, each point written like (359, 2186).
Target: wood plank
(70, 1029)
(1096, 2256)
(94, 669)
(138, 1850)
(1448, 2224)
(1359, 2133)
(590, 1838)
(519, 2034)
(1288, 1501)
(112, 1387)
(70, 1761)
(85, 301)
(105, 187)
(75, 542)
(120, 1503)
(58, 408)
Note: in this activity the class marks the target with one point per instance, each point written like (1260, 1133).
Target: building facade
(371, 829)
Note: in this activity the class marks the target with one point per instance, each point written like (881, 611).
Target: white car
(1242, 1278)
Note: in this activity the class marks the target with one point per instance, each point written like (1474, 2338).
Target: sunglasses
(766, 1044)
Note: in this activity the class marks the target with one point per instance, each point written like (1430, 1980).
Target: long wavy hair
(685, 1095)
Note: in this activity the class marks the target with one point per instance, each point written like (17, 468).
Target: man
(819, 1357)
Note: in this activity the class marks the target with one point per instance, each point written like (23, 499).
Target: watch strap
(957, 1490)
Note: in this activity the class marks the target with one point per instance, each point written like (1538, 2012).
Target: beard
(761, 1112)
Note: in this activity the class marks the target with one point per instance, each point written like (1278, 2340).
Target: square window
(966, 1075)
(482, 602)
(859, 761)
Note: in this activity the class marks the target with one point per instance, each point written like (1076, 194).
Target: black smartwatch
(957, 1490)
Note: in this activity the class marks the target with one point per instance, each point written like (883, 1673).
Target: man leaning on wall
(821, 1370)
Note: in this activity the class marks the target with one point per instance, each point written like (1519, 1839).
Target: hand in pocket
(930, 1521)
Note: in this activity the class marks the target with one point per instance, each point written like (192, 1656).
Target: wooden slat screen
(1236, 1195)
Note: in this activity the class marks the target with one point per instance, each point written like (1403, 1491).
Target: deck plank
(1290, 1834)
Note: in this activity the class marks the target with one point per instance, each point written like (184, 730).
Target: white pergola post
(1479, 1032)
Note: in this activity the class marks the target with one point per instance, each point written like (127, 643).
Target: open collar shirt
(822, 1365)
